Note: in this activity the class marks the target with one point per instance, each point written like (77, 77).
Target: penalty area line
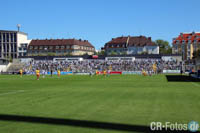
(13, 92)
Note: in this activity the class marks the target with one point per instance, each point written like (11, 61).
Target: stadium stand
(15, 66)
(125, 64)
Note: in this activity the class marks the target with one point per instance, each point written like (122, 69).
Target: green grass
(124, 99)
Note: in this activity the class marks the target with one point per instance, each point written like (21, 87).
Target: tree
(102, 52)
(85, 54)
(144, 53)
(164, 47)
(113, 53)
(123, 53)
(10, 59)
(50, 54)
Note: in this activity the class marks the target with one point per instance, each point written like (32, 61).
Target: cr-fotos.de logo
(192, 126)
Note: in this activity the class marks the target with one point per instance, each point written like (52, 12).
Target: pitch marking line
(195, 84)
(13, 92)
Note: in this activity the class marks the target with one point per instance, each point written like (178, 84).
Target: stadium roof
(48, 42)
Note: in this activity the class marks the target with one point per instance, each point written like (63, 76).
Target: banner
(81, 73)
(115, 72)
(131, 72)
(171, 71)
(62, 73)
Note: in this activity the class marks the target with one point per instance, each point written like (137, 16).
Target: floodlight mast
(18, 27)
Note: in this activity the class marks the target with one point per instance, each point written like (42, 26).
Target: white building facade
(131, 45)
(13, 44)
(144, 49)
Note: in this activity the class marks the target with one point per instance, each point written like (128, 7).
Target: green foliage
(10, 59)
(164, 47)
(85, 54)
(51, 54)
(113, 53)
(102, 52)
(144, 53)
(123, 53)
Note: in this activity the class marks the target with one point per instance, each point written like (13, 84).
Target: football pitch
(83, 104)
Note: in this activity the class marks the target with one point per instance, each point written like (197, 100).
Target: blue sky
(100, 20)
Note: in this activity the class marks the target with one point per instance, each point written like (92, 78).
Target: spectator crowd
(87, 66)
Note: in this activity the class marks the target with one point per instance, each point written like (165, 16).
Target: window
(15, 47)
(36, 47)
(12, 47)
(20, 49)
(31, 47)
(176, 47)
(68, 47)
(50, 47)
(8, 47)
(4, 37)
(57, 47)
(15, 37)
(7, 37)
(45, 47)
(11, 37)
(62, 47)
(24, 44)
(41, 47)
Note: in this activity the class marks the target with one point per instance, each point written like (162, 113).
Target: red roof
(132, 41)
(186, 37)
(47, 42)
